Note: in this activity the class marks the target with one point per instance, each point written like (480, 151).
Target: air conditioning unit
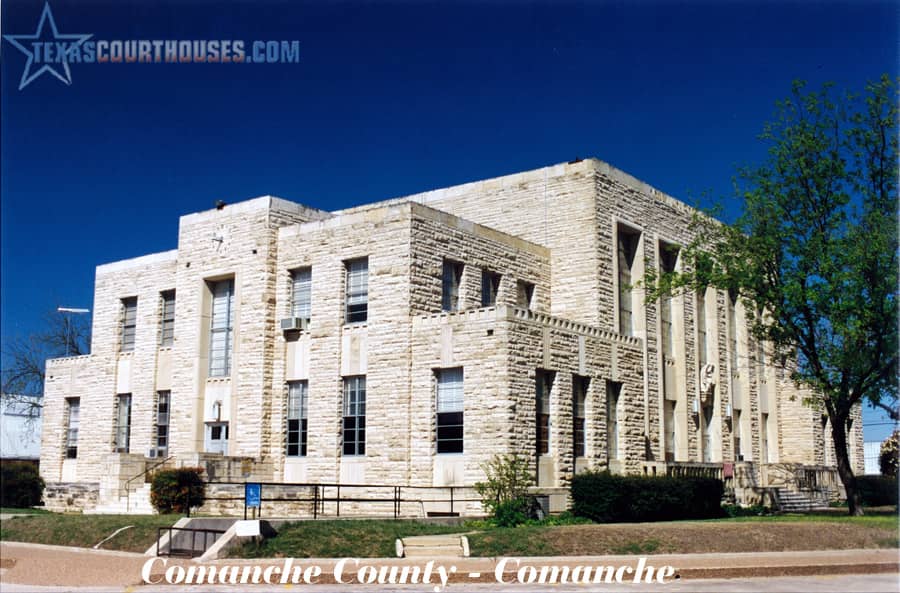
(153, 453)
(294, 324)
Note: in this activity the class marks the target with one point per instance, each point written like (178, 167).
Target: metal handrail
(140, 475)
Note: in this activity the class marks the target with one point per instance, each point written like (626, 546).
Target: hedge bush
(606, 498)
(172, 490)
(21, 486)
(877, 491)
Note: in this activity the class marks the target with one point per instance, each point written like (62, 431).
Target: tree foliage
(813, 255)
(507, 479)
(889, 455)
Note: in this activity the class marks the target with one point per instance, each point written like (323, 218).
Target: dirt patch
(688, 538)
(7, 562)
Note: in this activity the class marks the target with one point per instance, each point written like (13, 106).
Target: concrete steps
(433, 546)
(794, 502)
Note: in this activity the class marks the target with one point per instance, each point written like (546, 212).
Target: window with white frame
(298, 392)
(123, 423)
(129, 324)
(301, 293)
(731, 304)
(162, 422)
(167, 323)
(613, 392)
(579, 414)
(354, 425)
(451, 278)
(449, 410)
(74, 420)
(490, 286)
(544, 380)
(357, 290)
(221, 328)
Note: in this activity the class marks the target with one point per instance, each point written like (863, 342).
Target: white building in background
(20, 428)
(871, 452)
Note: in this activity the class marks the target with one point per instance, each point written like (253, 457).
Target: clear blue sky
(387, 99)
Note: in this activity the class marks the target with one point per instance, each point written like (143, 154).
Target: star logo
(62, 45)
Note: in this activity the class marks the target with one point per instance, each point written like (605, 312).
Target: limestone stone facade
(521, 287)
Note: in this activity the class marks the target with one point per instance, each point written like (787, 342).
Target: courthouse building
(407, 341)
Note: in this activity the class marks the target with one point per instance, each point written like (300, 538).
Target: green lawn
(85, 531)
(9, 510)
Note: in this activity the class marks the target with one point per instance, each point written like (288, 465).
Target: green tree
(889, 455)
(813, 254)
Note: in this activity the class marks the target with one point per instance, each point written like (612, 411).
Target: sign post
(252, 497)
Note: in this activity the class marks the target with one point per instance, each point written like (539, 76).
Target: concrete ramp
(433, 546)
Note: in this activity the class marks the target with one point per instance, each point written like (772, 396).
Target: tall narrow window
(668, 259)
(451, 278)
(298, 392)
(301, 293)
(490, 286)
(354, 416)
(123, 423)
(613, 391)
(450, 411)
(162, 423)
(524, 294)
(221, 328)
(707, 433)
(544, 386)
(357, 290)
(764, 438)
(579, 414)
(669, 428)
(74, 414)
(700, 315)
(626, 250)
(736, 435)
(167, 325)
(129, 323)
(732, 330)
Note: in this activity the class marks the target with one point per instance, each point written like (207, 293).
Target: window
(668, 256)
(451, 278)
(669, 428)
(764, 438)
(296, 418)
(357, 290)
(123, 423)
(354, 416)
(450, 411)
(702, 356)
(707, 433)
(732, 330)
(544, 385)
(74, 409)
(162, 423)
(167, 328)
(613, 391)
(736, 434)
(221, 328)
(579, 400)
(490, 286)
(626, 249)
(761, 356)
(301, 293)
(129, 323)
(524, 294)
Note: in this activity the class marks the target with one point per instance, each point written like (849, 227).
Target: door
(217, 437)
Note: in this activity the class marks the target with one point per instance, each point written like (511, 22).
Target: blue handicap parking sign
(253, 495)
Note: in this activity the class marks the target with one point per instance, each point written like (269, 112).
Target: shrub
(876, 491)
(513, 512)
(604, 497)
(889, 456)
(754, 510)
(507, 478)
(173, 490)
(21, 486)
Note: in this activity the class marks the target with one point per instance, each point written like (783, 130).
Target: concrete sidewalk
(35, 564)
